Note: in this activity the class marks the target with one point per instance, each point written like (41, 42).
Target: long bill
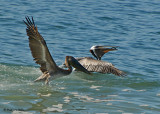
(106, 49)
(73, 62)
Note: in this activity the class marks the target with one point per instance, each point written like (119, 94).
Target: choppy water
(71, 28)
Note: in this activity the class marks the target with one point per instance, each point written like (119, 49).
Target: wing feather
(39, 48)
(93, 65)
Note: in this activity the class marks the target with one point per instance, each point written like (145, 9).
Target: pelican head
(99, 51)
(71, 61)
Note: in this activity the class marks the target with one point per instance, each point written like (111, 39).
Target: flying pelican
(43, 57)
(96, 65)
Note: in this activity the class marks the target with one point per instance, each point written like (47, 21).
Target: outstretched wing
(39, 48)
(93, 65)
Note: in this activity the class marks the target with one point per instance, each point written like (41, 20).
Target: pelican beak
(106, 49)
(77, 65)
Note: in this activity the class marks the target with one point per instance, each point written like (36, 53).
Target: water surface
(71, 28)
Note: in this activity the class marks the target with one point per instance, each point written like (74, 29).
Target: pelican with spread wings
(97, 65)
(42, 56)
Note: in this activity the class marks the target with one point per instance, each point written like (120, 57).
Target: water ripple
(71, 28)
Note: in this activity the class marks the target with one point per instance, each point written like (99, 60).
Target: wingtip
(33, 21)
(29, 22)
(123, 74)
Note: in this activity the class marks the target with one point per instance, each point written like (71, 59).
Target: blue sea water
(71, 28)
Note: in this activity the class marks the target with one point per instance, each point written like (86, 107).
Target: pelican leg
(47, 80)
(44, 77)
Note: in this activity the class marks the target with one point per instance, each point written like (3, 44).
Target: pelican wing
(93, 65)
(39, 48)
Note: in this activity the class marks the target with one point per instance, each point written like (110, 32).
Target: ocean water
(71, 28)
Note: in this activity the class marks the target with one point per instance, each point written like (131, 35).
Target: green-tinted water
(71, 28)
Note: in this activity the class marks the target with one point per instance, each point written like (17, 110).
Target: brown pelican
(43, 57)
(96, 65)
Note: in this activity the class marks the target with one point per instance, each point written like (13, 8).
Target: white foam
(5, 102)
(66, 99)
(126, 90)
(55, 108)
(112, 95)
(109, 104)
(158, 94)
(21, 112)
(95, 87)
(144, 105)
(44, 95)
(141, 90)
(101, 113)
